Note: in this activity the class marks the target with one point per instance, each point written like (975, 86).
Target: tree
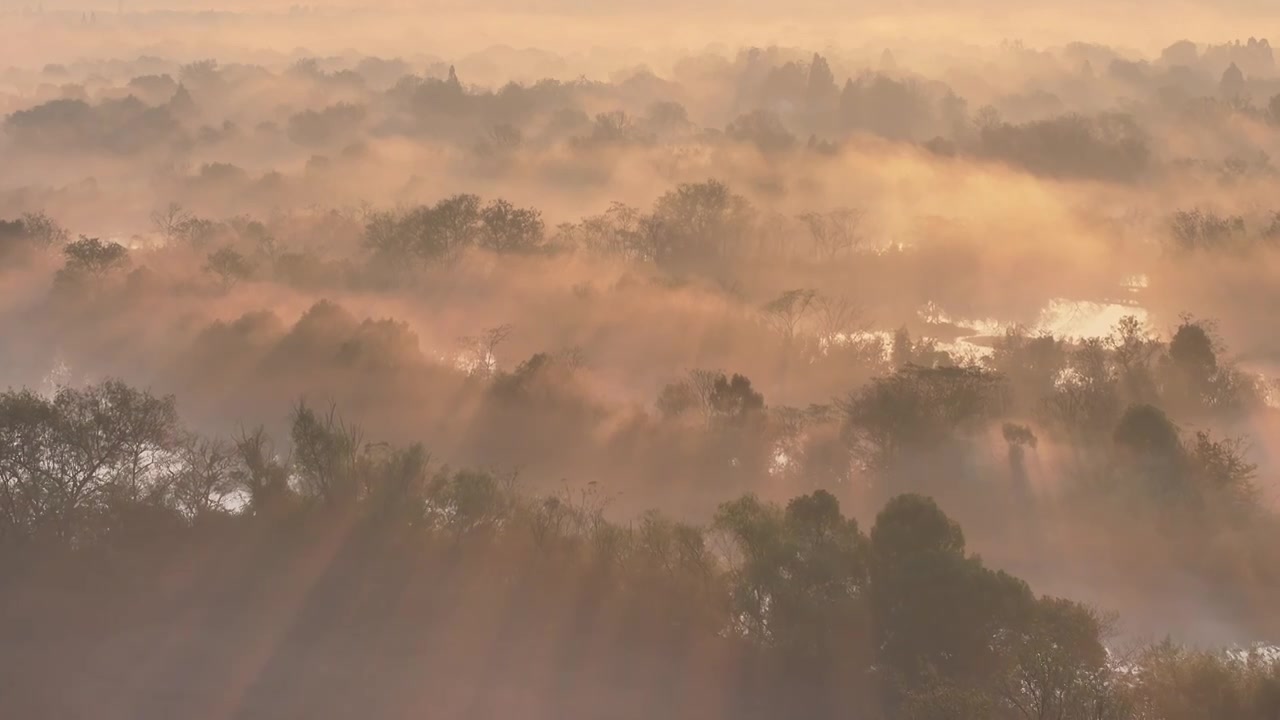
(785, 312)
(1201, 230)
(703, 383)
(502, 139)
(1181, 683)
(32, 231)
(229, 265)
(388, 236)
(621, 230)
(92, 257)
(905, 352)
(1109, 146)
(1018, 438)
(1193, 354)
(918, 407)
(201, 480)
(449, 227)
(1224, 474)
(1132, 349)
(667, 116)
(761, 128)
(676, 399)
(910, 526)
(696, 224)
(326, 455)
(13, 238)
(822, 82)
(480, 351)
(800, 575)
(839, 320)
(1032, 365)
(1183, 52)
(1147, 430)
(329, 125)
(439, 232)
(734, 399)
(466, 501)
(396, 483)
(612, 127)
(834, 232)
(508, 229)
(1232, 85)
(939, 615)
(1151, 467)
(935, 698)
(43, 230)
(66, 461)
(260, 473)
(1059, 668)
(712, 394)
(199, 72)
(170, 220)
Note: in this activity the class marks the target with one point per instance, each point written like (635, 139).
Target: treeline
(701, 229)
(349, 575)
(698, 228)
(776, 101)
(546, 116)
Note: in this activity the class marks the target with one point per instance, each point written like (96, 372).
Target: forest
(814, 376)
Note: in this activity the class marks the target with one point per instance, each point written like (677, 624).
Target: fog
(711, 292)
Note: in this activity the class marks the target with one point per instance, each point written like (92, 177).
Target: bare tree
(170, 220)
(838, 319)
(504, 138)
(202, 479)
(479, 352)
(44, 230)
(261, 474)
(834, 232)
(694, 392)
(785, 312)
(327, 452)
(703, 383)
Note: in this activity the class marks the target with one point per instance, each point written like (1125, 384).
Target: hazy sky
(1140, 24)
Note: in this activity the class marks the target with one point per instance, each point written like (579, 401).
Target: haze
(575, 360)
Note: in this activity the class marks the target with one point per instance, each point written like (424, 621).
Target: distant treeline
(776, 101)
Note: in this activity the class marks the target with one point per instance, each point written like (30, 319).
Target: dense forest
(922, 382)
(361, 577)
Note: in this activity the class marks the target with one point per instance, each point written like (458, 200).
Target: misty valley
(500, 362)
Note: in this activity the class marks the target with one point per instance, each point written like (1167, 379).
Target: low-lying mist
(673, 328)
